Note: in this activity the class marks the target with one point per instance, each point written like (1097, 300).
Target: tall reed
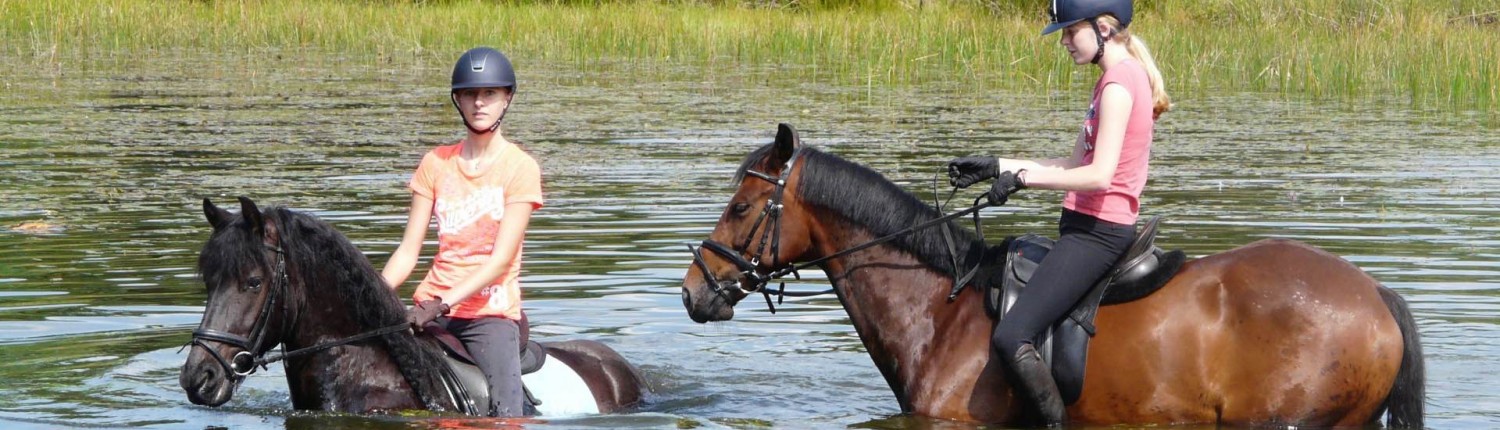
(1430, 53)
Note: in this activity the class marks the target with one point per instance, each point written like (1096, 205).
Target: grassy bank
(1432, 53)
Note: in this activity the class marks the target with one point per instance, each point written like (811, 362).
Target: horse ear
(787, 141)
(252, 216)
(217, 217)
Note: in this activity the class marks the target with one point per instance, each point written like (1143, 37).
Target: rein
(263, 361)
(749, 269)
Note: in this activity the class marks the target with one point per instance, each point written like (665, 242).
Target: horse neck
(315, 312)
(899, 307)
(321, 313)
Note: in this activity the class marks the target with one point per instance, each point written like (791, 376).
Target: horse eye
(740, 208)
(253, 283)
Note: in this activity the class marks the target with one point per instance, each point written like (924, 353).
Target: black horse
(287, 278)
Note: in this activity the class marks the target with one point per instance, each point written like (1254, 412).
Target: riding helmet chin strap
(1097, 36)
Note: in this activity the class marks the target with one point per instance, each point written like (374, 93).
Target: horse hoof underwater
(287, 278)
(1276, 332)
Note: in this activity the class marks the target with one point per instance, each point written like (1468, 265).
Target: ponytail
(1160, 102)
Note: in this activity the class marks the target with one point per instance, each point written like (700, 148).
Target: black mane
(865, 199)
(320, 257)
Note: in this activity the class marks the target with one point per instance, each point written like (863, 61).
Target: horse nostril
(687, 298)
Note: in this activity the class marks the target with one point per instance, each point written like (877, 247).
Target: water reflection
(105, 173)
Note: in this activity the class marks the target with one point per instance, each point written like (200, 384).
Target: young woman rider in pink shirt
(1103, 178)
(482, 191)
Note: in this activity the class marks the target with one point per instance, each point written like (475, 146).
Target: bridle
(252, 353)
(770, 215)
(749, 270)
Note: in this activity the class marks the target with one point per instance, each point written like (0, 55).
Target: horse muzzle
(205, 381)
(706, 304)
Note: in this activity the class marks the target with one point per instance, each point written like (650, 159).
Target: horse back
(1275, 330)
(616, 384)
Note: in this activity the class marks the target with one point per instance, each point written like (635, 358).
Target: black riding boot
(1035, 380)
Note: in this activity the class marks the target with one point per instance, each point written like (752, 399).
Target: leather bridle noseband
(749, 270)
(251, 353)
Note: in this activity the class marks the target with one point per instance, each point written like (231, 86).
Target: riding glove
(1005, 185)
(966, 171)
(424, 312)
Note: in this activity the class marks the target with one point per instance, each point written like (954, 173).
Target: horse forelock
(756, 159)
(865, 198)
(228, 251)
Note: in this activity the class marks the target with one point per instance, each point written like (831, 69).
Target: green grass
(1430, 53)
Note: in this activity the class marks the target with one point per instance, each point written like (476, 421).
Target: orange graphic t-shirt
(469, 206)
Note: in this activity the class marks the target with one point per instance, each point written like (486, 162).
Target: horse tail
(1405, 403)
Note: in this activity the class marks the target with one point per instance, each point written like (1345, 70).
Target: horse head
(243, 267)
(763, 229)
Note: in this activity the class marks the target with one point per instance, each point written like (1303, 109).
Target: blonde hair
(1160, 102)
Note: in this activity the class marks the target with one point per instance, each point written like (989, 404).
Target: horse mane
(864, 198)
(330, 260)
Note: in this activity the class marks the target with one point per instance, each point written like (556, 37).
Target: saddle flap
(450, 343)
(1026, 253)
(1023, 255)
(533, 356)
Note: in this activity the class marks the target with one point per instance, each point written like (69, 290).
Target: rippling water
(105, 168)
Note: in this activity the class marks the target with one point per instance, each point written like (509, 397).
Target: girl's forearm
(398, 268)
(1013, 165)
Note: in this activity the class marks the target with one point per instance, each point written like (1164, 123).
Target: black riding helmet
(1067, 12)
(482, 67)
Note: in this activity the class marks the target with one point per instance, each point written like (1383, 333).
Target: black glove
(424, 312)
(1005, 185)
(966, 171)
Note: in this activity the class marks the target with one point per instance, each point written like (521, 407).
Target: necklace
(476, 162)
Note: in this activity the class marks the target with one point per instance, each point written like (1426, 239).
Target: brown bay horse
(1276, 332)
(286, 278)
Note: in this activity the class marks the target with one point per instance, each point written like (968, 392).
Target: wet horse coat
(1276, 332)
(287, 278)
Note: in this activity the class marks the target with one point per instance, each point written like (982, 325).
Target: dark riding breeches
(495, 344)
(1086, 248)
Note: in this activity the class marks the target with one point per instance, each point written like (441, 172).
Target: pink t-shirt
(1120, 203)
(469, 206)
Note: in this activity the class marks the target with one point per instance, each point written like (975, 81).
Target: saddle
(467, 384)
(1141, 270)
